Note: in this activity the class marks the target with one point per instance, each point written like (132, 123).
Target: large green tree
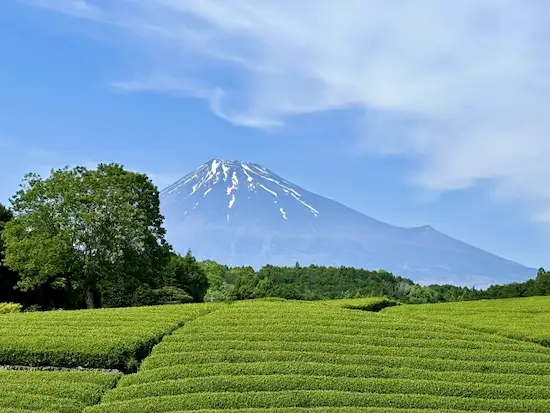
(97, 231)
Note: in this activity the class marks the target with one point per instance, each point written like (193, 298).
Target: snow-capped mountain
(241, 213)
(238, 188)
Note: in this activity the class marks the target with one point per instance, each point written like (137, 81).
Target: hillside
(240, 213)
(519, 318)
(282, 356)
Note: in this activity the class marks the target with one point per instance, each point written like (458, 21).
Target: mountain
(241, 213)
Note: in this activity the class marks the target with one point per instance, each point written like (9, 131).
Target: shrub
(171, 295)
(6, 308)
(143, 295)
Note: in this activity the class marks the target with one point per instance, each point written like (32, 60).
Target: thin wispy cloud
(460, 85)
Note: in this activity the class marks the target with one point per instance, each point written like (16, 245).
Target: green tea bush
(327, 369)
(52, 391)
(273, 382)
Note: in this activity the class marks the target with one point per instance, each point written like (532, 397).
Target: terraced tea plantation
(105, 338)
(282, 356)
(285, 355)
(521, 318)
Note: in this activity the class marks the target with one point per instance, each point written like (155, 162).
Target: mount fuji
(241, 214)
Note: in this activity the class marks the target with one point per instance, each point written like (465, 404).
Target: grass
(299, 356)
(52, 391)
(105, 338)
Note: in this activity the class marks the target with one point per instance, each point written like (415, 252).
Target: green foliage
(285, 356)
(52, 391)
(185, 273)
(171, 295)
(219, 289)
(98, 232)
(309, 400)
(6, 308)
(374, 304)
(326, 369)
(519, 318)
(301, 283)
(143, 296)
(224, 293)
(5, 214)
(105, 338)
(301, 382)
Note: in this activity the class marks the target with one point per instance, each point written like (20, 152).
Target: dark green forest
(86, 238)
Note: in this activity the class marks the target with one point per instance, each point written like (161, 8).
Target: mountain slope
(241, 213)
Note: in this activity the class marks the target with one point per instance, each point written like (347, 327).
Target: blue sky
(413, 112)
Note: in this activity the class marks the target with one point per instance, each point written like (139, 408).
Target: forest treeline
(86, 238)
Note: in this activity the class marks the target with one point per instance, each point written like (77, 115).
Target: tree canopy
(90, 230)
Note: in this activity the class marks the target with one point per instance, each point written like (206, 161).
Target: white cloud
(470, 77)
(213, 95)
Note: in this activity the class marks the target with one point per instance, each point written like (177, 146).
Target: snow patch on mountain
(238, 179)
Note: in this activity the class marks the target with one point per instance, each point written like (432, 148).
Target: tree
(5, 215)
(187, 274)
(219, 289)
(542, 282)
(245, 281)
(215, 272)
(86, 230)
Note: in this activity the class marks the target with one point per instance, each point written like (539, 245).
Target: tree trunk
(90, 298)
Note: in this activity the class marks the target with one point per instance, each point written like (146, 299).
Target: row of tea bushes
(52, 391)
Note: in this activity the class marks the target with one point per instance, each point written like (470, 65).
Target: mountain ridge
(241, 213)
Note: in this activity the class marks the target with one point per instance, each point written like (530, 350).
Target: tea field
(286, 356)
(520, 318)
(105, 338)
(52, 391)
